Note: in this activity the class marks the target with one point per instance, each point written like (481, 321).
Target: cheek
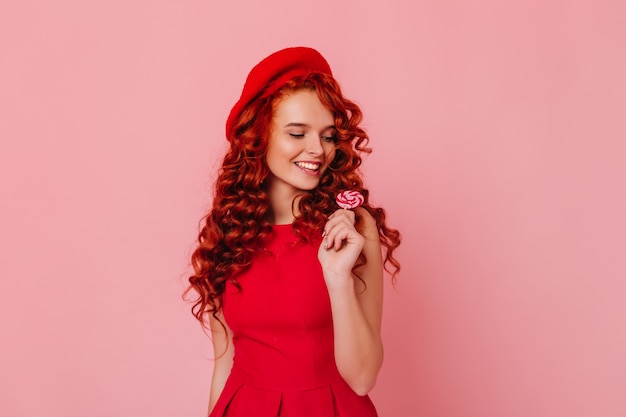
(329, 148)
(276, 151)
(272, 159)
(284, 148)
(330, 153)
(329, 156)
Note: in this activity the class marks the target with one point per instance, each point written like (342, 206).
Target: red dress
(284, 363)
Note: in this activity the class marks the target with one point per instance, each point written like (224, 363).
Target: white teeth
(308, 165)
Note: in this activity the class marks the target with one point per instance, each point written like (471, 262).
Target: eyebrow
(296, 124)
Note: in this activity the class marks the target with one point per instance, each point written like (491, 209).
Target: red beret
(273, 72)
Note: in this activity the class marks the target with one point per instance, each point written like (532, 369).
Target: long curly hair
(239, 221)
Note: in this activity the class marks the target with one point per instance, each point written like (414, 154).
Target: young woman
(290, 283)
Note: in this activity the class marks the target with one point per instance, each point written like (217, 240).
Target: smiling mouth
(309, 166)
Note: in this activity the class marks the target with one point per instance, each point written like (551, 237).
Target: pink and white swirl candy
(350, 199)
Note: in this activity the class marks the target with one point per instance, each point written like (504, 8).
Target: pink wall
(503, 124)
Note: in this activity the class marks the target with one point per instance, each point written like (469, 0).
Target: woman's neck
(283, 200)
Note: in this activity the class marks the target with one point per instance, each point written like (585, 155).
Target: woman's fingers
(342, 212)
(337, 236)
(338, 217)
(339, 229)
(341, 246)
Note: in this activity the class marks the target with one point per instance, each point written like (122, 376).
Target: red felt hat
(273, 72)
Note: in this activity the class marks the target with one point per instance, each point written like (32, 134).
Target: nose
(314, 146)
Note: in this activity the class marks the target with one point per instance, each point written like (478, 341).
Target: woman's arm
(356, 305)
(223, 351)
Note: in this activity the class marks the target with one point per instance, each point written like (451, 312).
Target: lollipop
(350, 199)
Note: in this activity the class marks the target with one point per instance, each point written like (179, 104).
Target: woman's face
(301, 145)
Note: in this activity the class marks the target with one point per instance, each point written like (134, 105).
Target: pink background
(499, 137)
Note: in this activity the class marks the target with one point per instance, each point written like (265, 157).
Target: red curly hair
(239, 221)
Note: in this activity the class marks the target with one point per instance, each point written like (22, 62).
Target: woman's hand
(340, 248)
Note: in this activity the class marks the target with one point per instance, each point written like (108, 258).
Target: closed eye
(297, 135)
